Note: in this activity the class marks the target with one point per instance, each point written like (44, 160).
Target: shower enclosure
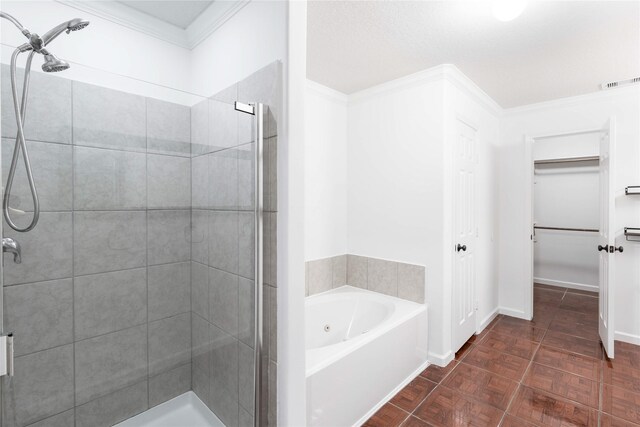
(142, 279)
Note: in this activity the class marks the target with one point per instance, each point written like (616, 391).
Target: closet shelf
(632, 190)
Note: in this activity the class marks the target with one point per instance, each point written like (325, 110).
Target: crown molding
(448, 72)
(421, 77)
(202, 27)
(633, 89)
(464, 83)
(211, 19)
(327, 92)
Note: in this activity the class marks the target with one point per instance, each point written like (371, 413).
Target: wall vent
(611, 85)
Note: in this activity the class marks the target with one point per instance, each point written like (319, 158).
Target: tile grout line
(572, 401)
(520, 383)
(438, 384)
(538, 345)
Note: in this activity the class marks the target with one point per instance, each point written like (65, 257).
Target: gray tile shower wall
(222, 245)
(397, 279)
(101, 304)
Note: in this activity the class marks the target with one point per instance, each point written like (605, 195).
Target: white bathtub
(362, 347)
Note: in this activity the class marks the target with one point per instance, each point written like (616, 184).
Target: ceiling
(178, 13)
(555, 49)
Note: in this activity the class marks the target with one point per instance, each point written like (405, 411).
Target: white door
(465, 230)
(607, 236)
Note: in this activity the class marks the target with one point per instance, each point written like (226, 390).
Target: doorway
(571, 233)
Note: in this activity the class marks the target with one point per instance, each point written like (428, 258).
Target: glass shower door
(138, 285)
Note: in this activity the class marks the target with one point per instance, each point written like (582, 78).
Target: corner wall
(395, 184)
(325, 172)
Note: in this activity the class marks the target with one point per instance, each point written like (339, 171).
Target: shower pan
(146, 290)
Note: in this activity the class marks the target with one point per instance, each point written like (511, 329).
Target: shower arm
(20, 144)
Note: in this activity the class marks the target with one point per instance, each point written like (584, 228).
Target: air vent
(619, 83)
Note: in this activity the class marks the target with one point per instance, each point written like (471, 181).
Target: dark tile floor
(551, 371)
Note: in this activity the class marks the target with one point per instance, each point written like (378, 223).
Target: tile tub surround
(397, 279)
(101, 305)
(222, 243)
(520, 373)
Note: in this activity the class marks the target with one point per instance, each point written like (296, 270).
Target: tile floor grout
(479, 340)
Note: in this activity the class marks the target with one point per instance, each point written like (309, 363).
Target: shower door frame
(257, 110)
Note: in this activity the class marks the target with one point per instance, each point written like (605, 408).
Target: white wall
(567, 195)
(583, 112)
(255, 37)
(325, 172)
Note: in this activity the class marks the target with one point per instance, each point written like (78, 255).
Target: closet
(566, 212)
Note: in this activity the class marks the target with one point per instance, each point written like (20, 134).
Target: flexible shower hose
(21, 144)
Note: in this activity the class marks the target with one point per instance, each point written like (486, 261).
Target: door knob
(619, 249)
(603, 248)
(461, 247)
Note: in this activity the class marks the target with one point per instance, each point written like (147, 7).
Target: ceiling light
(507, 10)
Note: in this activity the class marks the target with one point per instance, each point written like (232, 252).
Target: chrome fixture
(567, 160)
(13, 247)
(257, 110)
(584, 230)
(53, 64)
(632, 232)
(632, 190)
(35, 44)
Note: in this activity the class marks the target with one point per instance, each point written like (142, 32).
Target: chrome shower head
(72, 25)
(76, 24)
(53, 64)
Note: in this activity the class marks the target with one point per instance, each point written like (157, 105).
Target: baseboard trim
(628, 338)
(513, 313)
(392, 393)
(440, 359)
(488, 320)
(570, 285)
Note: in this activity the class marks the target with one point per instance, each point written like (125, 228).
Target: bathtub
(361, 348)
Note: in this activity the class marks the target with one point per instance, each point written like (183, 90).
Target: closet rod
(566, 160)
(587, 230)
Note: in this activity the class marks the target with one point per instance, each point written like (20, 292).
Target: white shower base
(184, 410)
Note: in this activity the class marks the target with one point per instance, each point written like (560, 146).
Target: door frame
(527, 230)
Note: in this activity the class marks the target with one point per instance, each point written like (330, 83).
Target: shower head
(53, 64)
(72, 25)
(76, 24)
